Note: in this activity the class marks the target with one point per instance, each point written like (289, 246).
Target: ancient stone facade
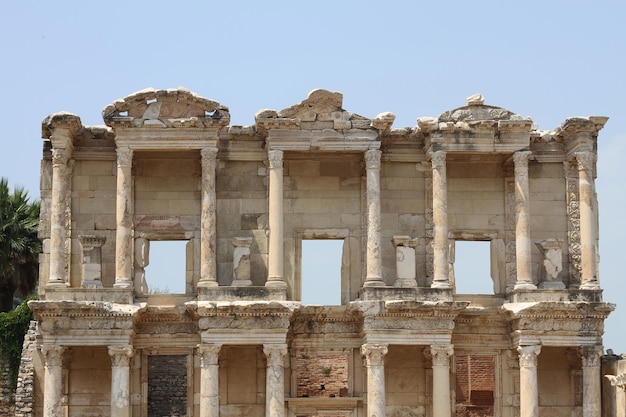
(169, 166)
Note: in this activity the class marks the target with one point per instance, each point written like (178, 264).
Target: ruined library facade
(236, 340)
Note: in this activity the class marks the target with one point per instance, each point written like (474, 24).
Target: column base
(207, 284)
(122, 283)
(590, 286)
(374, 282)
(276, 283)
(440, 284)
(523, 285)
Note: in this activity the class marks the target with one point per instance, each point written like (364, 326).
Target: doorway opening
(472, 267)
(321, 271)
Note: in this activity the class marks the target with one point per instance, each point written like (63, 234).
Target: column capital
(374, 353)
(521, 157)
(53, 354)
(441, 354)
(209, 353)
(438, 159)
(585, 160)
(124, 156)
(275, 158)
(372, 158)
(209, 156)
(60, 156)
(528, 355)
(591, 355)
(120, 355)
(275, 353)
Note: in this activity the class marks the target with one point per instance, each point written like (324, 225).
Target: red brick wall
(475, 380)
(321, 375)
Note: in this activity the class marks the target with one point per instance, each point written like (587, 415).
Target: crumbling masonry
(238, 342)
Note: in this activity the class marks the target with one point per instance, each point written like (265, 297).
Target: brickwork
(7, 407)
(167, 385)
(322, 375)
(475, 381)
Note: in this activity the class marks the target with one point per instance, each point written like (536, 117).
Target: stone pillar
(442, 403)
(53, 380)
(275, 379)
(405, 261)
(375, 363)
(209, 380)
(120, 380)
(592, 395)
(124, 217)
(588, 232)
(92, 260)
(208, 221)
(374, 274)
(58, 231)
(529, 394)
(523, 243)
(241, 261)
(275, 264)
(441, 278)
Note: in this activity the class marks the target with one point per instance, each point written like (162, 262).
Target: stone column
(375, 363)
(124, 217)
(592, 396)
(405, 261)
(441, 278)
(374, 274)
(209, 380)
(53, 380)
(275, 379)
(275, 264)
(208, 221)
(442, 404)
(588, 232)
(528, 392)
(120, 380)
(523, 243)
(58, 232)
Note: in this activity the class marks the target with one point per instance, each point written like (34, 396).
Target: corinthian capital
(585, 160)
(438, 159)
(528, 356)
(374, 354)
(209, 156)
(372, 159)
(120, 355)
(124, 156)
(60, 156)
(275, 158)
(275, 354)
(441, 354)
(53, 354)
(591, 355)
(209, 354)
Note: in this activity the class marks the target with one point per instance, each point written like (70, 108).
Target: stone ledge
(525, 296)
(111, 295)
(409, 294)
(223, 293)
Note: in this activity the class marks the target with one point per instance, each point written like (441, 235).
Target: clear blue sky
(546, 59)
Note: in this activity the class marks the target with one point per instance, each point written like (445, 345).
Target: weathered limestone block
(552, 263)
(241, 261)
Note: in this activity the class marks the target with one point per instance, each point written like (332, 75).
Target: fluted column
(124, 218)
(209, 380)
(374, 274)
(120, 380)
(275, 264)
(588, 232)
(208, 221)
(441, 379)
(58, 232)
(529, 394)
(441, 278)
(592, 396)
(275, 379)
(375, 362)
(53, 380)
(523, 243)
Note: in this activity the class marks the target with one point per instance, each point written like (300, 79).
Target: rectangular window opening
(321, 271)
(472, 267)
(167, 267)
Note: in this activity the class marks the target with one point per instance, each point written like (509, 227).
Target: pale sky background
(546, 59)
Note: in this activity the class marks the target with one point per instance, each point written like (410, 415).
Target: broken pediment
(475, 110)
(176, 107)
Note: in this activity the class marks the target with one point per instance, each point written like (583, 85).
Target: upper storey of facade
(169, 166)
